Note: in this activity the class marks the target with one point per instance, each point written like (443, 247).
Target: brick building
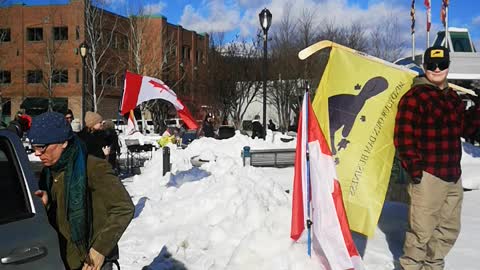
(40, 59)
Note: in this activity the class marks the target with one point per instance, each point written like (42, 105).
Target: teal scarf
(73, 162)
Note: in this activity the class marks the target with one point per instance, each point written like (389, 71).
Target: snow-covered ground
(226, 216)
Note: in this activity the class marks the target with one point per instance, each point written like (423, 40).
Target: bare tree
(352, 35)
(234, 69)
(293, 77)
(139, 24)
(143, 34)
(100, 30)
(287, 39)
(50, 71)
(308, 34)
(159, 63)
(386, 40)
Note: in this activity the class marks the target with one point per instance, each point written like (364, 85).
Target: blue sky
(241, 16)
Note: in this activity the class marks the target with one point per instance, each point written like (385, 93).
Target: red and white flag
(131, 124)
(331, 238)
(428, 6)
(444, 11)
(140, 88)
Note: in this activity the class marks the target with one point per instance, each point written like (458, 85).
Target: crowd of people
(90, 208)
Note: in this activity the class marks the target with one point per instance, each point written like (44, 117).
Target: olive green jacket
(112, 211)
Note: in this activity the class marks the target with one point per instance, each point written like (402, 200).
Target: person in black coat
(20, 124)
(111, 138)
(94, 137)
(257, 128)
(69, 116)
(271, 125)
(208, 126)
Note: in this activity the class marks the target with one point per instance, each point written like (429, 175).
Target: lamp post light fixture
(265, 21)
(83, 53)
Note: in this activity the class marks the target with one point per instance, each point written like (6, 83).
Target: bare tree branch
(100, 28)
(52, 71)
(386, 40)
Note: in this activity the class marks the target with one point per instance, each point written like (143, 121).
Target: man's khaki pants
(434, 219)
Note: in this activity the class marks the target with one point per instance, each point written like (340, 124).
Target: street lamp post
(83, 53)
(265, 21)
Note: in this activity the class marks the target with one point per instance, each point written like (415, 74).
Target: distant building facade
(41, 66)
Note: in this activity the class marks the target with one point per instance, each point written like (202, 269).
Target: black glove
(416, 180)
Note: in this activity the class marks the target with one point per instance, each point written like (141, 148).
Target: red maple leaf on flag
(162, 87)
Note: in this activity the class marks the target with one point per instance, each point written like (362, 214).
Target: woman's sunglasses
(441, 65)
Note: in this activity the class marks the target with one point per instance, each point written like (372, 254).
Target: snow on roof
(457, 29)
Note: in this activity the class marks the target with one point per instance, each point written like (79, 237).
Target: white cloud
(155, 8)
(128, 7)
(337, 11)
(476, 20)
(216, 16)
(242, 16)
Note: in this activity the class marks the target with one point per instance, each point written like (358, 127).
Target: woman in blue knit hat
(86, 203)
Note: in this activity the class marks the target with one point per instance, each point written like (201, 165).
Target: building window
(35, 34)
(60, 76)
(36, 105)
(199, 57)
(77, 76)
(34, 76)
(77, 32)
(5, 77)
(5, 35)
(60, 33)
(186, 53)
(123, 42)
(6, 110)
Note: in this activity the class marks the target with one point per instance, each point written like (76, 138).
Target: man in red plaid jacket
(430, 120)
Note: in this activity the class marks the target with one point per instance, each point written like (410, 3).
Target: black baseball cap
(436, 54)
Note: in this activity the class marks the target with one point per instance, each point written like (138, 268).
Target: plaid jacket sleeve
(406, 122)
(471, 121)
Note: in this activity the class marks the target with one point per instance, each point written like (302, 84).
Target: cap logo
(437, 54)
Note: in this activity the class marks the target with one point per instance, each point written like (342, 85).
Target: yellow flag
(356, 104)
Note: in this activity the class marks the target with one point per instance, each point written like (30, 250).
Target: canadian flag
(317, 198)
(139, 89)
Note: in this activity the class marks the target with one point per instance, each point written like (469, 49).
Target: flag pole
(428, 38)
(413, 46)
(412, 14)
(447, 35)
(428, 6)
(309, 221)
